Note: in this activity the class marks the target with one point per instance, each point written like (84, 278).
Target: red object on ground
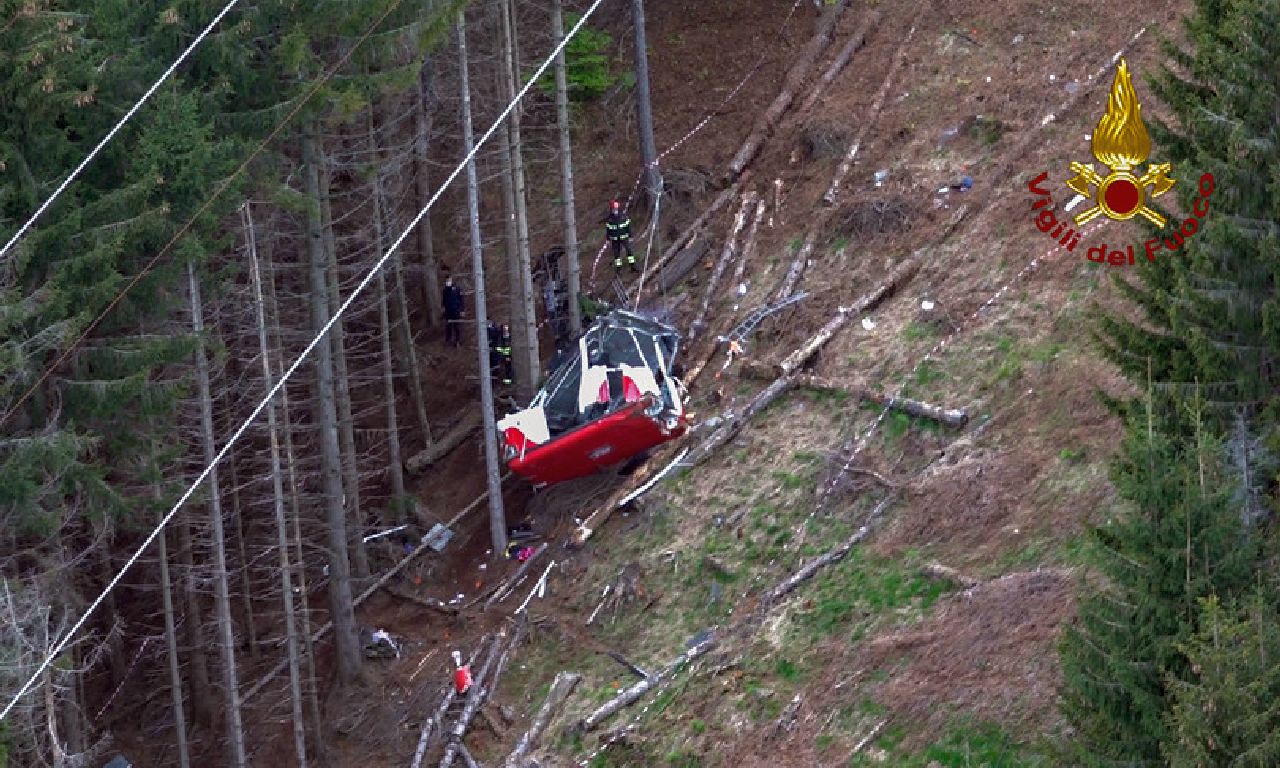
(462, 679)
(602, 443)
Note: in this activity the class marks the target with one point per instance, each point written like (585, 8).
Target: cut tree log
(695, 228)
(842, 58)
(952, 417)
(466, 756)
(445, 445)
(846, 165)
(732, 425)
(426, 602)
(632, 694)
(939, 572)
(475, 697)
(816, 227)
(437, 718)
(901, 274)
(676, 271)
(510, 584)
(563, 686)
(794, 81)
(749, 249)
(726, 255)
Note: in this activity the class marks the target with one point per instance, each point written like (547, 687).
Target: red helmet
(615, 205)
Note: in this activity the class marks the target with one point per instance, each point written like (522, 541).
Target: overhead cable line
(111, 134)
(284, 379)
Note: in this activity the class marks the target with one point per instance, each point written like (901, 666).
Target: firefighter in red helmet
(618, 228)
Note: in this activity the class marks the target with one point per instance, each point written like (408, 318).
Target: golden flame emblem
(1120, 142)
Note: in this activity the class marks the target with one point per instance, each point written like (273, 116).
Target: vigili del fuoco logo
(1121, 144)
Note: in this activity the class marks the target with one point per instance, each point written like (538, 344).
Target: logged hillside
(830, 578)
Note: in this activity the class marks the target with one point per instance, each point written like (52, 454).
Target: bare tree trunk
(524, 320)
(395, 461)
(342, 389)
(644, 108)
(574, 276)
(282, 534)
(422, 122)
(171, 640)
(246, 590)
(295, 515)
(222, 599)
(404, 333)
(497, 515)
(349, 658)
(202, 706)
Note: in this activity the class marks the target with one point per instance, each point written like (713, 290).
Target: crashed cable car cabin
(612, 399)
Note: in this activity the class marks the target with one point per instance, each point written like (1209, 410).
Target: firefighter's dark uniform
(504, 356)
(618, 229)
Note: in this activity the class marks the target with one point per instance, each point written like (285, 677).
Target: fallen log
(510, 584)
(730, 428)
(787, 720)
(801, 261)
(749, 249)
(632, 694)
(475, 697)
(696, 227)
(676, 271)
(846, 165)
(564, 684)
(952, 417)
(939, 572)
(425, 602)
(807, 571)
(466, 756)
(428, 727)
(445, 445)
(795, 79)
(643, 474)
(726, 255)
(901, 274)
(842, 59)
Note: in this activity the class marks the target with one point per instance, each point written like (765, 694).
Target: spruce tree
(1210, 309)
(1176, 538)
(1228, 712)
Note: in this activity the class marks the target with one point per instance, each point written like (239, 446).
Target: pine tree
(1228, 712)
(1177, 538)
(1211, 308)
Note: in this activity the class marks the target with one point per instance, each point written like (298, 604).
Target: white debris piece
(868, 324)
(926, 305)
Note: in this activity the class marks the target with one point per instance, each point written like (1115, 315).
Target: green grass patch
(916, 331)
(860, 587)
(965, 747)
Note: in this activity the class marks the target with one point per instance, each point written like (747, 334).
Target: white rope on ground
(261, 406)
(111, 134)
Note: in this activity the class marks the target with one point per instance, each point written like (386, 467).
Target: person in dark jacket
(504, 353)
(618, 229)
(453, 307)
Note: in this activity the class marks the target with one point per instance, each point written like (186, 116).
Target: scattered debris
(881, 176)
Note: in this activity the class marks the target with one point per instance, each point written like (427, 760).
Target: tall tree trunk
(409, 350)
(524, 320)
(342, 390)
(423, 123)
(202, 706)
(171, 640)
(246, 589)
(644, 108)
(295, 516)
(574, 277)
(222, 598)
(282, 531)
(395, 458)
(342, 614)
(497, 516)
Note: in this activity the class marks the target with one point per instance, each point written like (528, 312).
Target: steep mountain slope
(883, 655)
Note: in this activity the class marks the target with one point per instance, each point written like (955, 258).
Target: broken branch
(630, 695)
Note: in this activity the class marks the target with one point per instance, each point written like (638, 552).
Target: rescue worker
(618, 229)
(494, 334)
(504, 355)
(461, 676)
(453, 306)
